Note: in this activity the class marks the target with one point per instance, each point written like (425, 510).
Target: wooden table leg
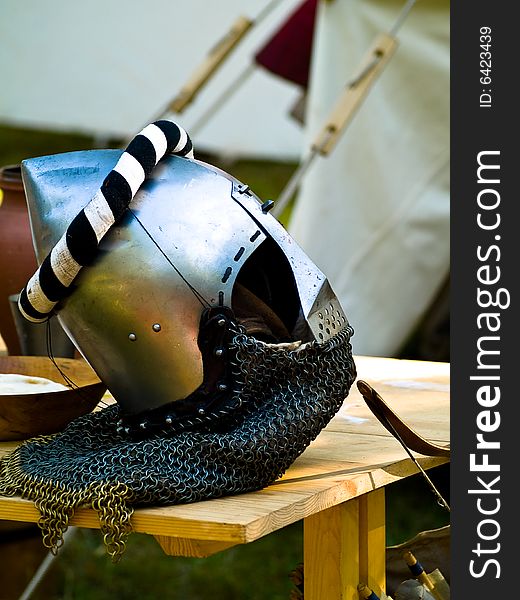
(372, 540)
(344, 546)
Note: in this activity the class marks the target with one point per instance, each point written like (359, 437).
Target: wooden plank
(211, 63)
(174, 546)
(331, 553)
(242, 518)
(419, 395)
(416, 400)
(321, 477)
(344, 546)
(376, 368)
(6, 447)
(372, 541)
(347, 460)
(353, 95)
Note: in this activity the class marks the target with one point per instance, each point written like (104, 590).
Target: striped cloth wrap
(78, 246)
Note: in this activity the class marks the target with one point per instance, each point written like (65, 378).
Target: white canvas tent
(107, 68)
(374, 216)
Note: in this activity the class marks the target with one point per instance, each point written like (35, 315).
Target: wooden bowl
(27, 415)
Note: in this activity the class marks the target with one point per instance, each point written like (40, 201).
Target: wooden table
(336, 486)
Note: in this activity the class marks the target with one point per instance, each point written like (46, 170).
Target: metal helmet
(223, 344)
(194, 253)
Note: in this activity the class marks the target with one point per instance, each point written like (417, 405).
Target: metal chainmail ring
(286, 398)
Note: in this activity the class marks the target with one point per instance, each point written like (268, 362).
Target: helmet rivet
(219, 351)
(156, 327)
(142, 425)
(221, 322)
(168, 420)
(201, 411)
(132, 337)
(222, 387)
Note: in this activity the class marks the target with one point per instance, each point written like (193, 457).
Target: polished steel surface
(134, 313)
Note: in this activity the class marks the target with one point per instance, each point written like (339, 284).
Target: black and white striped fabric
(79, 244)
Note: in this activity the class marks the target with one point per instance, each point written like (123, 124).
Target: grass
(256, 571)
(17, 144)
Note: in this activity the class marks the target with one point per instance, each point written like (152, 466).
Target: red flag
(288, 52)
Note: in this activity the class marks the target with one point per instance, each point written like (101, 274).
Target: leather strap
(396, 426)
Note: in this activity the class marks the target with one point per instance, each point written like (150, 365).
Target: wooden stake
(371, 67)
(215, 58)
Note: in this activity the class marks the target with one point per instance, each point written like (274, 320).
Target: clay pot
(17, 257)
